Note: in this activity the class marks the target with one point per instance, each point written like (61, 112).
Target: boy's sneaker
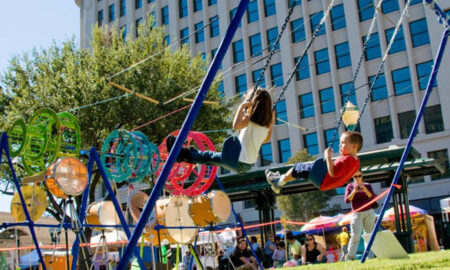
(273, 178)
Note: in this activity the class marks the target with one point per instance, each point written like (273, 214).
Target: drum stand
(76, 228)
(104, 248)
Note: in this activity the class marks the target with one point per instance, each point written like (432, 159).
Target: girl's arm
(241, 118)
(303, 255)
(323, 253)
(269, 134)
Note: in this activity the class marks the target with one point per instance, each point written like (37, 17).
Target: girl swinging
(254, 119)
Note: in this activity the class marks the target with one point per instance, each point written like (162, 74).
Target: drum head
(71, 176)
(177, 214)
(201, 212)
(107, 214)
(221, 204)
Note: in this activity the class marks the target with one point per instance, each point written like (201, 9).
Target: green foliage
(304, 206)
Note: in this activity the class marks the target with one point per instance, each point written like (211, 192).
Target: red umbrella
(320, 222)
(413, 211)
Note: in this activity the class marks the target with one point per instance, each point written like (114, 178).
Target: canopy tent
(320, 225)
(413, 211)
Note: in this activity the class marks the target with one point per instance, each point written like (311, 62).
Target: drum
(220, 204)
(173, 212)
(201, 212)
(66, 177)
(102, 213)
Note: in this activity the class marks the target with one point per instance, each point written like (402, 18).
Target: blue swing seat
(318, 172)
(230, 153)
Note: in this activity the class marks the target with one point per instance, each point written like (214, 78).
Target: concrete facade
(427, 191)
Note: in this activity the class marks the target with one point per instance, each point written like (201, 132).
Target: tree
(64, 78)
(304, 206)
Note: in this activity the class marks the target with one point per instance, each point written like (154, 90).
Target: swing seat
(230, 153)
(318, 172)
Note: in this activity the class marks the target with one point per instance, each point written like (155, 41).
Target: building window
(306, 105)
(240, 82)
(255, 45)
(165, 15)
(252, 11)
(214, 26)
(249, 204)
(212, 2)
(281, 113)
(441, 157)
(373, 49)
(184, 36)
(302, 72)
(167, 40)
(221, 90)
(232, 13)
(345, 93)
(138, 23)
(399, 41)
(383, 129)
(389, 6)
(111, 12)
(311, 143)
(197, 5)
(338, 17)
(199, 32)
(328, 135)
(123, 8)
(272, 35)
(419, 32)
(406, 122)
(276, 72)
(152, 18)
(322, 61)
(366, 10)
(432, 117)
(238, 51)
(182, 8)
(414, 2)
(423, 74)
(100, 17)
(379, 90)
(255, 76)
(342, 55)
(296, 2)
(150, 1)
(284, 148)
(315, 21)
(402, 81)
(137, 4)
(123, 29)
(269, 7)
(266, 154)
(327, 100)
(297, 30)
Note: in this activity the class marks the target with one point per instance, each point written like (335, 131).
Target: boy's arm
(328, 153)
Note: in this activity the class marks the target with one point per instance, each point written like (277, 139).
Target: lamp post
(350, 115)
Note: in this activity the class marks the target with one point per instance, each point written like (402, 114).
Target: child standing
(339, 171)
(254, 119)
(279, 255)
(343, 238)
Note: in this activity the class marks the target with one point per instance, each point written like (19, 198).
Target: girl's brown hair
(261, 111)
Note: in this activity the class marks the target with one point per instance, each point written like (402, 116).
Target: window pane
(212, 2)
(419, 32)
(441, 157)
(373, 49)
(399, 41)
(315, 20)
(383, 129)
(284, 148)
(241, 84)
(406, 122)
(197, 5)
(100, 17)
(389, 6)
(255, 45)
(328, 134)
(138, 23)
(306, 105)
(366, 10)
(111, 13)
(165, 15)
(379, 90)
(423, 74)
(272, 35)
(232, 13)
(281, 113)
(255, 75)
(297, 30)
(266, 154)
(296, 2)
(276, 73)
(302, 71)
(137, 4)
(269, 7)
(402, 81)
(238, 51)
(322, 61)
(199, 32)
(221, 90)
(252, 11)
(338, 17)
(342, 55)
(433, 119)
(123, 8)
(327, 100)
(214, 26)
(345, 93)
(311, 143)
(184, 36)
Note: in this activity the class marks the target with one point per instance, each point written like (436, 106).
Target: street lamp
(350, 115)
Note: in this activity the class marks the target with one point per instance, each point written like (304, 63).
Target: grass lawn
(427, 260)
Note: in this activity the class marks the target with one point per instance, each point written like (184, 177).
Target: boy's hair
(355, 137)
(261, 111)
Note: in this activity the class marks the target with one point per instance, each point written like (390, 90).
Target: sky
(28, 24)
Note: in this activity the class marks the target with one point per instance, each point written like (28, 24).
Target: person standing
(343, 238)
(359, 195)
(269, 248)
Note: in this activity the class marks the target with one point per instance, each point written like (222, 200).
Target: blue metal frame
(4, 146)
(183, 133)
(94, 157)
(410, 140)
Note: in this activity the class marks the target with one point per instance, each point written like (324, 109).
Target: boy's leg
(300, 170)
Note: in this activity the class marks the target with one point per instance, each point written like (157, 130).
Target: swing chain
(272, 49)
(308, 45)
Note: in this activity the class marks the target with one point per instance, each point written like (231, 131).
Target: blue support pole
(4, 146)
(242, 227)
(412, 135)
(183, 133)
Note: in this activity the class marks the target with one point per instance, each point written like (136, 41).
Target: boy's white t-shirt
(251, 138)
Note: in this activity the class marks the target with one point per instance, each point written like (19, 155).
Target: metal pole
(5, 147)
(412, 135)
(183, 132)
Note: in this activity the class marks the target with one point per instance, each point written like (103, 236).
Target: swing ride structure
(48, 146)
